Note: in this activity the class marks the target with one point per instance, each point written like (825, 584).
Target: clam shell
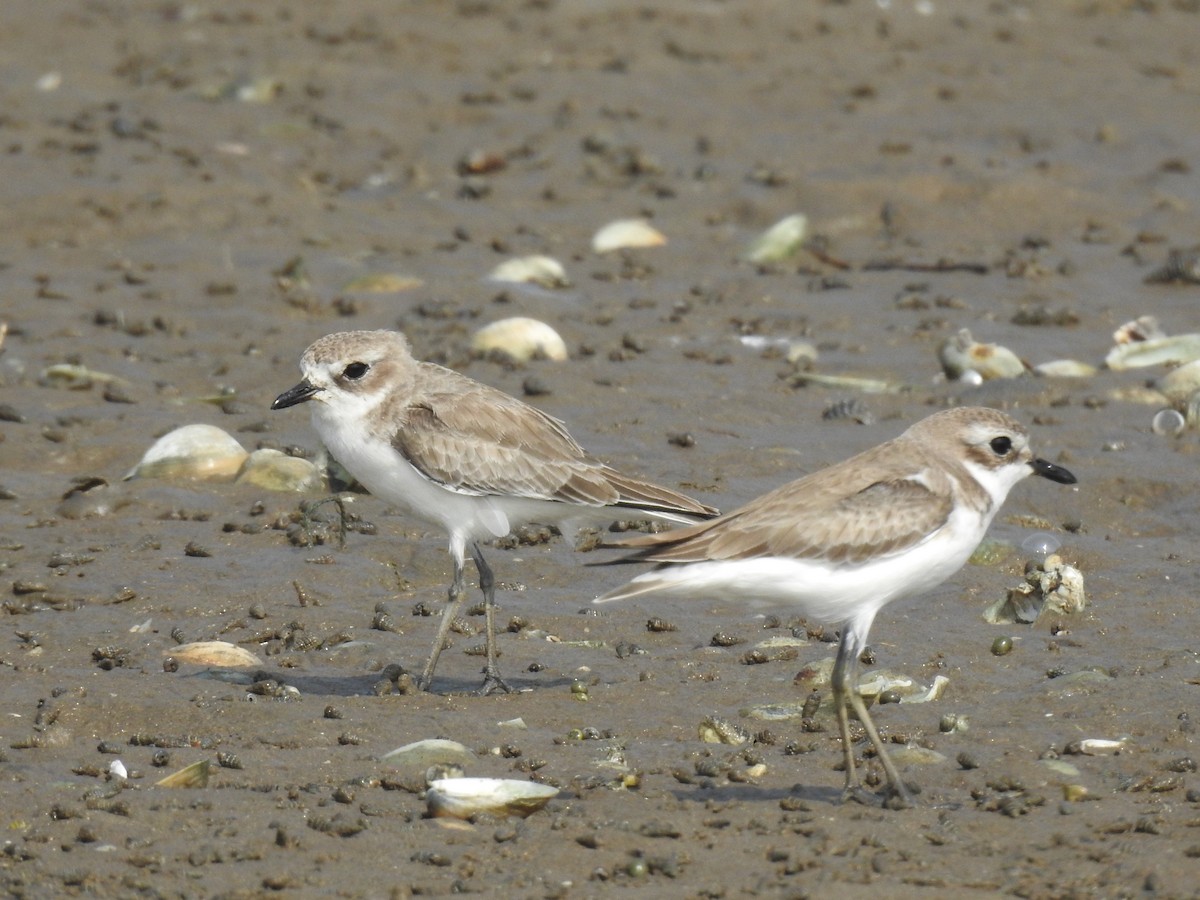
(191, 452)
(423, 754)
(276, 471)
(213, 653)
(1174, 350)
(627, 233)
(545, 271)
(520, 338)
(462, 798)
(779, 241)
(1180, 383)
(961, 354)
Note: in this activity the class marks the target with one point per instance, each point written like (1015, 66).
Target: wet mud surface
(189, 189)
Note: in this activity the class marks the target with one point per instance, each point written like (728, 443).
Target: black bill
(1040, 467)
(305, 390)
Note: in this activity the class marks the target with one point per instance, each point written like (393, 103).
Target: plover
(461, 455)
(839, 544)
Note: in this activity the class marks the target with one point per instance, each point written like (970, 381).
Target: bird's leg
(458, 593)
(491, 672)
(845, 691)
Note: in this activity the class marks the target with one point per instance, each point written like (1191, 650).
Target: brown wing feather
(479, 440)
(852, 511)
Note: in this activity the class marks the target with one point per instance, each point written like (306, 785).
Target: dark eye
(357, 370)
(1001, 446)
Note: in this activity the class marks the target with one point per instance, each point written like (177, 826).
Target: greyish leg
(454, 602)
(845, 693)
(491, 672)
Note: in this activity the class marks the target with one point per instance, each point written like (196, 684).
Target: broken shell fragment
(520, 338)
(1143, 328)
(382, 283)
(76, 378)
(193, 776)
(1052, 586)
(462, 798)
(545, 271)
(274, 470)
(962, 354)
(1174, 350)
(779, 241)
(192, 452)
(627, 234)
(213, 653)
(719, 731)
(1064, 368)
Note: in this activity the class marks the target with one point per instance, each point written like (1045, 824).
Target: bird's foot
(492, 682)
(897, 796)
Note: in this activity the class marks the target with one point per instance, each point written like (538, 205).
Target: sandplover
(462, 455)
(839, 544)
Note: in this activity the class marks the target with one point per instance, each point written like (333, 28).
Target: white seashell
(1143, 328)
(520, 338)
(962, 353)
(627, 233)
(1101, 746)
(779, 241)
(117, 769)
(517, 723)
(781, 640)
(940, 682)
(462, 798)
(423, 754)
(1174, 350)
(1180, 383)
(193, 451)
(213, 653)
(276, 471)
(1064, 368)
(541, 270)
(75, 378)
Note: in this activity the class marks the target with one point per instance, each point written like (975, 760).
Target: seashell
(774, 712)
(193, 451)
(520, 338)
(1101, 746)
(934, 692)
(1060, 767)
(381, 283)
(1143, 328)
(719, 731)
(779, 241)
(1174, 350)
(117, 769)
(193, 776)
(1180, 383)
(626, 234)
(1168, 423)
(462, 798)
(276, 471)
(847, 382)
(423, 754)
(76, 378)
(802, 353)
(545, 271)
(781, 640)
(919, 756)
(1053, 585)
(213, 653)
(961, 354)
(1064, 368)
